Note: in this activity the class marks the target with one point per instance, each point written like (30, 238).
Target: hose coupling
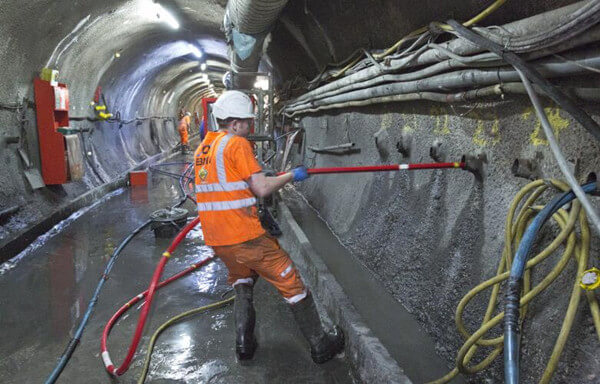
(474, 163)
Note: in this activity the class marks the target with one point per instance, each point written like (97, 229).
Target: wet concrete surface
(397, 329)
(46, 291)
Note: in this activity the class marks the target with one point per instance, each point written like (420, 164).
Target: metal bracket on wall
(436, 152)
(403, 145)
(339, 149)
(526, 168)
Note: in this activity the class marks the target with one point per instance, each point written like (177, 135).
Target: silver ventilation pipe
(247, 23)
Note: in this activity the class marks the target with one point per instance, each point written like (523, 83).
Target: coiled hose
(511, 318)
(149, 294)
(523, 208)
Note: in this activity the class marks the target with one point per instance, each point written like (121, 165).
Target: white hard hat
(233, 104)
(188, 113)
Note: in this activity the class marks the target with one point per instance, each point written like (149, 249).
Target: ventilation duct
(246, 24)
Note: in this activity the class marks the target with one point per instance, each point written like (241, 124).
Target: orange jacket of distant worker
(184, 126)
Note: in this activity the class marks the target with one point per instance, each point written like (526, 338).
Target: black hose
(66, 356)
(559, 97)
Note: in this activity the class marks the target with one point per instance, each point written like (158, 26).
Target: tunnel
(419, 177)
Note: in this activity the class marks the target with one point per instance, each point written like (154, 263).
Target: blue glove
(300, 173)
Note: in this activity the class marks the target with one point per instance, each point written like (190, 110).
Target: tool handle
(382, 168)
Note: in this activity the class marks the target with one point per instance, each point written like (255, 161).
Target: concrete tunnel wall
(432, 236)
(428, 236)
(154, 69)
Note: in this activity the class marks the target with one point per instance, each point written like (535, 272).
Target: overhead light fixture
(262, 83)
(155, 10)
(203, 67)
(195, 51)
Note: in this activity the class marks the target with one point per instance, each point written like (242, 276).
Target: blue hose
(513, 296)
(66, 356)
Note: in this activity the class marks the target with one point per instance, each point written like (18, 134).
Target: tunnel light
(203, 67)
(262, 83)
(155, 10)
(195, 51)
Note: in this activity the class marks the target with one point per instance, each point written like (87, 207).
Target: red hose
(149, 294)
(382, 168)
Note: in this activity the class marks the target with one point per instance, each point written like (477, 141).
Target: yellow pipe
(172, 321)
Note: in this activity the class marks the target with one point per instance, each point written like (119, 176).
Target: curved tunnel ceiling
(144, 55)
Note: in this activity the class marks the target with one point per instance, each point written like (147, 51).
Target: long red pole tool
(383, 168)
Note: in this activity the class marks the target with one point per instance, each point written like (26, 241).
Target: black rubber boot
(245, 317)
(323, 345)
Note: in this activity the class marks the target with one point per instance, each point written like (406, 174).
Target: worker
(228, 182)
(184, 128)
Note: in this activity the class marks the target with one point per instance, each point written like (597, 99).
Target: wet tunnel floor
(44, 293)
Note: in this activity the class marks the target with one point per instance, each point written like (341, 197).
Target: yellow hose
(524, 204)
(172, 321)
(378, 56)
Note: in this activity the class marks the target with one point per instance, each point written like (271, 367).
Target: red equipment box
(138, 178)
(52, 106)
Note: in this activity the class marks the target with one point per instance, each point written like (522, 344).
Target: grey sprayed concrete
(45, 292)
(80, 40)
(431, 236)
(398, 331)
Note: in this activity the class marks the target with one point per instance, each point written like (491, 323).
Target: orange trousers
(265, 258)
(184, 136)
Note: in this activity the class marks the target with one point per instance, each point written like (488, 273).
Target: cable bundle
(524, 208)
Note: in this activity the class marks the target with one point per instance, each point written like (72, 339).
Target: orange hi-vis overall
(229, 217)
(184, 125)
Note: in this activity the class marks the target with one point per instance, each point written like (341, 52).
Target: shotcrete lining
(431, 236)
(80, 40)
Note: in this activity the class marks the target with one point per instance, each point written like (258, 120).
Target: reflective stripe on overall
(219, 194)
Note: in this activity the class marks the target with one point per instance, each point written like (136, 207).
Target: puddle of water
(57, 229)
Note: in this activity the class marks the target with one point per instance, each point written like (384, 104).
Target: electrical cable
(418, 32)
(560, 159)
(66, 356)
(146, 310)
(523, 207)
(461, 79)
(564, 101)
(547, 35)
(170, 322)
(520, 31)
